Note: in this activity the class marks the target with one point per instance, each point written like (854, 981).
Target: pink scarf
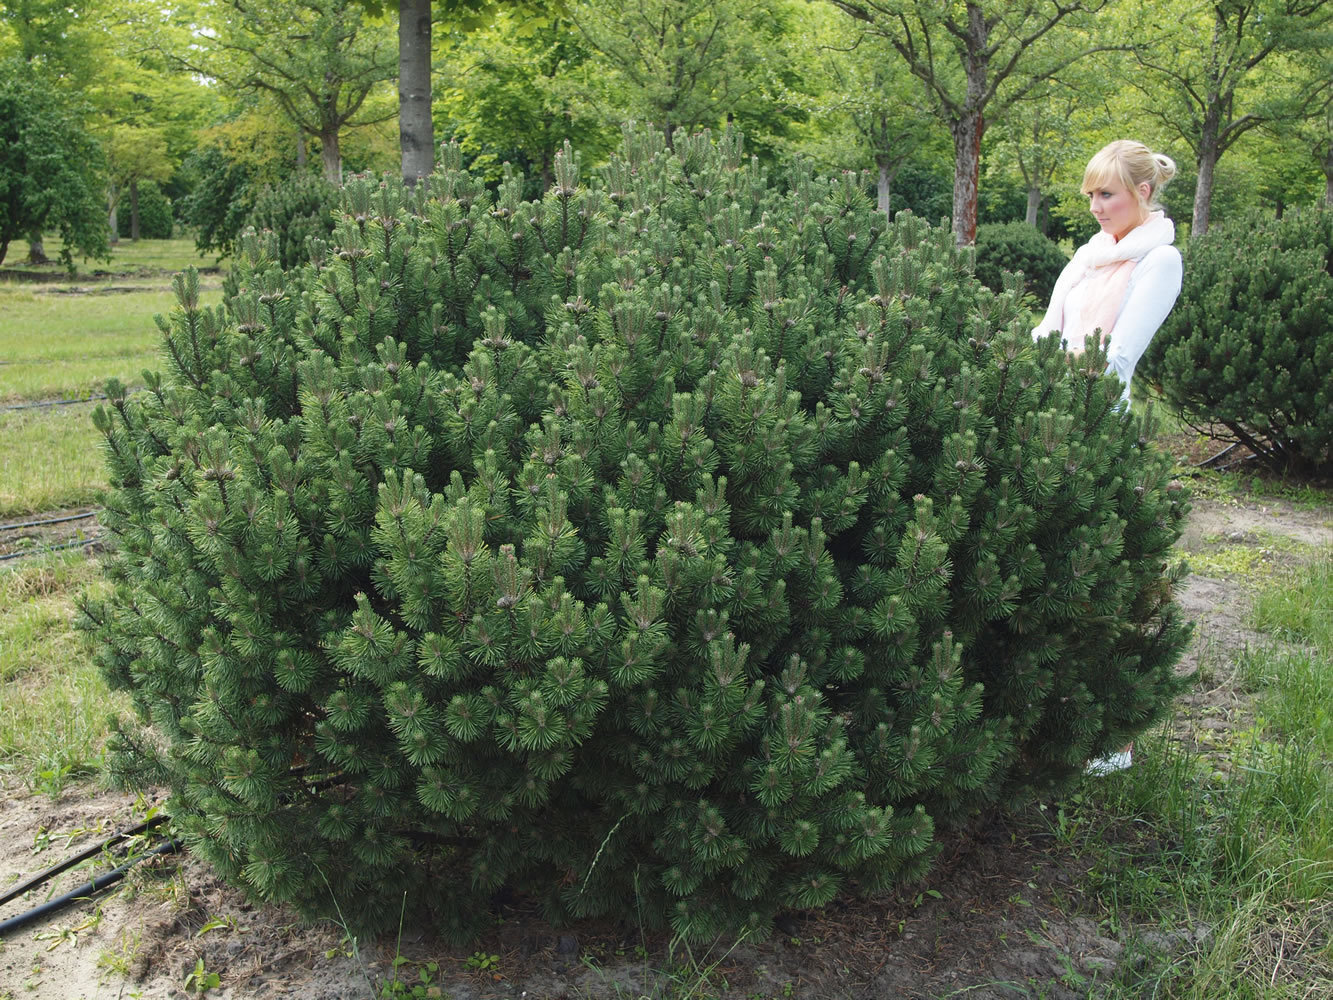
(1102, 268)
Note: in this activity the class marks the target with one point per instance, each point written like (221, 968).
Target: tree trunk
(966, 173)
(1203, 188)
(134, 211)
(547, 170)
(883, 190)
(301, 154)
(36, 249)
(416, 131)
(1328, 177)
(331, 156)
(1034, 206)
(112, 199)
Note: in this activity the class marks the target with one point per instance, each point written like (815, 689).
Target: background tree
(510, 98)
(54, 38)
(50, 167)
(977, 59)
(134, 154)
(864, 92)
(686, 64)
(1039, 138)
(1205, 80)
(318, 59)
(416, 127)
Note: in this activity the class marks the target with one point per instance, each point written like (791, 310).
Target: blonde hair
(1131, 163)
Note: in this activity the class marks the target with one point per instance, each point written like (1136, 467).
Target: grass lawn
(49, 458)
(53, 702)
(127, 258)
(61, 346)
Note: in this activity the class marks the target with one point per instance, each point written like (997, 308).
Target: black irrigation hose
(1220, 455)
(52, 402)
(82, 543)
(84, 855)
(87, 889)
(50, 520)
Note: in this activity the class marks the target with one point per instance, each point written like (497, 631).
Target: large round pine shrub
(1248, 349)
(682, 546)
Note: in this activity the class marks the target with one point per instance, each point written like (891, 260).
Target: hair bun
(1166, 167)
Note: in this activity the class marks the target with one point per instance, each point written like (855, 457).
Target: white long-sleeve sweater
(1153, 287)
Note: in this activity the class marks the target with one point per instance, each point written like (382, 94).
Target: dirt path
(1000, 917)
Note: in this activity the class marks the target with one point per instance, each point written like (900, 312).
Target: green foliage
(924, 187)
(1250, 341)
(510, 107)
(1016, 246)
(319, 61)
(155, 221)
(684, 544)
(295, 211)
(48, 168)
(222, 197)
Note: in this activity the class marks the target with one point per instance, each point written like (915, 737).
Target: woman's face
(1116, 209)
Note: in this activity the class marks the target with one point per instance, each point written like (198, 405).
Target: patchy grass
(1301, 612)
(1237, 487)
(49, 459)
(1256, 556)
(53, 702)
(1218, 867)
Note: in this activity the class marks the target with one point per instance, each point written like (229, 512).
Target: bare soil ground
(1005, 913)
(44, 532)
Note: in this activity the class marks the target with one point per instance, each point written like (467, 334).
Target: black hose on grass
(52, 402)
(84, 855)
(87, 889)
(49, 520)
(50, 548)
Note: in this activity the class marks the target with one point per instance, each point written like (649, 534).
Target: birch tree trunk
(883, 190)
(1034, 205)
(331, 156)
(134, 210)
(416, 130)
(1203, 188)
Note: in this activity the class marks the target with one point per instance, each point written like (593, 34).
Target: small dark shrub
(222, 196)
(1016, 246)
(295, 211)
(155, 221)
(681, 546)
(1248, 349)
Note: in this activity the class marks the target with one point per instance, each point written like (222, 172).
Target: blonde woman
(1125, 279)
(1122, 282)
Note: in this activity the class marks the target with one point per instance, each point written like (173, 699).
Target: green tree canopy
(687, 64)
(1206, 79)
(319, 60)
(49, 167)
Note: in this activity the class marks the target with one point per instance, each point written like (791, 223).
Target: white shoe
(1118, 761)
